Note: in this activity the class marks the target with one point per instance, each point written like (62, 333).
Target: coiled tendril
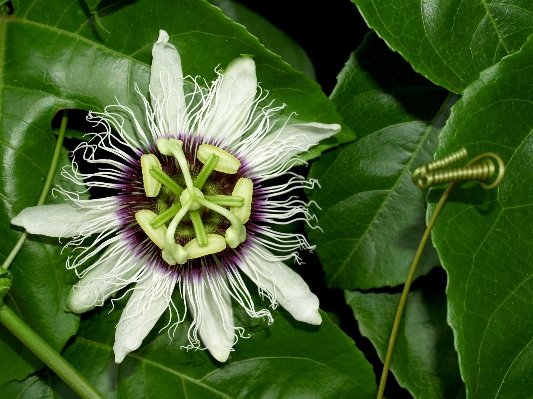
(481, 168)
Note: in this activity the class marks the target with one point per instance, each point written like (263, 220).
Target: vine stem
(407, 287)
(19, 328)
(46, 189)
(47, 354)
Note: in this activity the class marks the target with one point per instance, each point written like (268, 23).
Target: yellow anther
(227, 163)
(144, 217)
(151, 185)
(215, 244)
(244, 189)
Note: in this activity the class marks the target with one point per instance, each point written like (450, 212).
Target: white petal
(110, 273)
(288, 141)
(150, 298)
(212, 310)
(166, 86)
(233, 101)
(289, 289)
(64, 220)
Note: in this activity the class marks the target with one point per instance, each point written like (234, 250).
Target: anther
(227, 163)
(151, 184)
(243, 189)
(157, 235)
(215, 244)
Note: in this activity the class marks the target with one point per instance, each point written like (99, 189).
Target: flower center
(179, 206)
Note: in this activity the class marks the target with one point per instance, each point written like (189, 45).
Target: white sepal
(64, 220)
(244, 189)
(112, 272)
(282, 283)
(150, 298)
(274, 150)
(211, 308)
(166, 87)
(233, 101)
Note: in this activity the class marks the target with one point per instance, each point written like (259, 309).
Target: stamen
(157, 235)
(173, 252)
(208, 167)
(225, 200)
(174, 147)
(151, 185)
(165, 216)
(236, 233)
(165, 179)
(199, 228)
(245, 189)
(215, 244)
(227, 162)
(223, 211)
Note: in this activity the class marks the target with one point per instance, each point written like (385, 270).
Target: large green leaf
(285, 360)
(424, 359)
(271, 37)
(372, 214)
(485, 238)
(450, 41)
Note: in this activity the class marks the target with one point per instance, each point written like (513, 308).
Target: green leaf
(372, 214)
(285, 360)
(484, 238)
(450, 42)
(424, 360)
(93, 8)
(53, 57)
(40, 279)
(271, 37)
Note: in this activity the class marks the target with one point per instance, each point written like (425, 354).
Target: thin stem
(225, 200)
(208, 167)
(47, 354)
(166, 180)
(223, 211)
(406, 288)
(199, 229)
(46, 189)
(165, 216)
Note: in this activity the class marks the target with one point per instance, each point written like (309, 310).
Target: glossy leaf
(484, 238)
(424, 360)
(372, 215)
(271, 37)
(285, 360)
(40, 279)
(450, 42)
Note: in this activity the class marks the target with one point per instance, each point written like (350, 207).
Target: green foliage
(424, 360)
(450, 42)
(484, 238)
(286, 360)
(372, 215)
